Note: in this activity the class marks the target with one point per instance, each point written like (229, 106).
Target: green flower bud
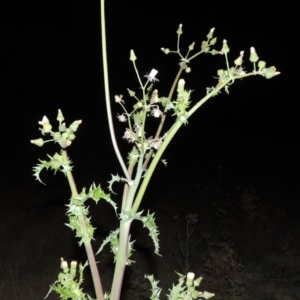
(73, 267)
(197, 281)
(191, 47)
(62, 127)
(64, 265)
(65, 135)
(131, 93)
(204, 46)
(271, 72)
(38, 142)
(239, 60)
(261, 64)
(132, 56)
(210, 34)
(71, 137)
(179, 31)
(213, 41)
(60, 116)
(46, 125)
(56, 136)
(165, 50)
(74, 125)
(253, 55)
(64, 143)
(188, 70)
(225, 49)
(220, 72)
(214, 52)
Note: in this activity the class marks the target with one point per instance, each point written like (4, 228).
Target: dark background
(50, 58)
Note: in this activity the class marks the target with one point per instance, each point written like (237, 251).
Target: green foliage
(67, 286)
(186, 289)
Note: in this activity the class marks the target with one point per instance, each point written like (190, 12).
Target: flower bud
(60, 118)
(131, 93)
(46, 125)
(271, 72)
(261, 64)
(38, 142)
(179, 31)
(210, 34)
(132, 56)
(253, 55)
(239, 60)
(189, 278)
(180, 87)
(56, 136)
(74, 125)
(73, 267)
(225, 49)
(64, 265)
(62, 127)
(165, 50)
(191, 47)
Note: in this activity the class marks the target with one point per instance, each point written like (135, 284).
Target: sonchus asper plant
(146, 152)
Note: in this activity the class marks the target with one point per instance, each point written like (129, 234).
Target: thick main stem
(120, 260)
(122, 255)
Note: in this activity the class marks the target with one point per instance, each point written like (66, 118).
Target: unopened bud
(261, 64)
(225, 49)
(253, 55)
(73, 267)
(60, 118)
(210, 34)
(132, 56)
(180, 87)
(179, 31)
(189, 278)
(74, 125)
(64, 265)
(38, 142)
(239, 60)
(191, 47)
(165, 50)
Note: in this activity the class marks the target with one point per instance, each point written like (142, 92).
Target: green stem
(122, 255)
(107, 96)
(166, 142)
(88, 246)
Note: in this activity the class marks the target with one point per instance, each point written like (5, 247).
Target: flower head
(129, 136)
(151, 75)
(122, 118)
(156, 112)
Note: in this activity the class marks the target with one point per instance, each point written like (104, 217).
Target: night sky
(51, 58)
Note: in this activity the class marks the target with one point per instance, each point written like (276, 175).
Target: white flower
(157, 144)
(122, 118)
(240, 71)
(151, 75)
(129, 136)
(156, 112)
(138, 130)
